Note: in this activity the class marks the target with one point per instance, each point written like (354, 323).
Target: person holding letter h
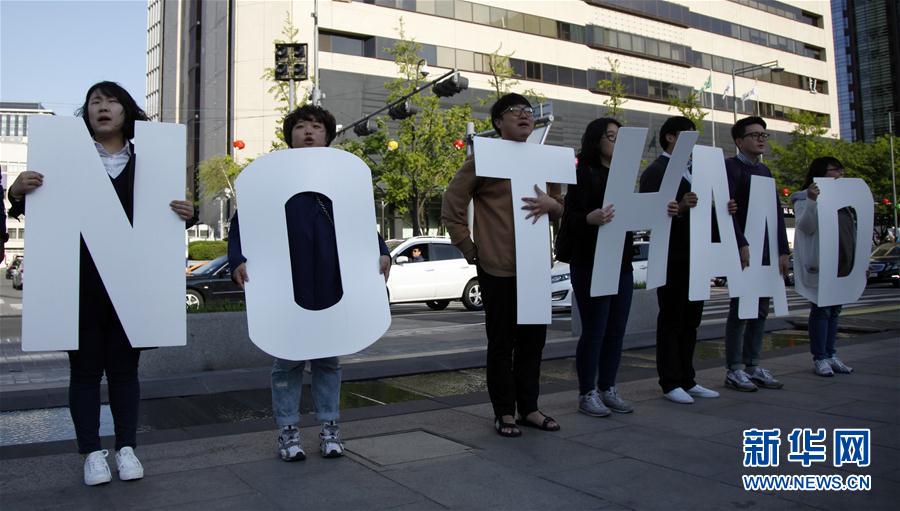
(743, 337)
(109, 113)
(316, 280)
(514, 350)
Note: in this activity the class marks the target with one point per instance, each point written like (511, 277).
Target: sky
(51, 52)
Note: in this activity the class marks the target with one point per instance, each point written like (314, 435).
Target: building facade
(13, 161)
(214, 54)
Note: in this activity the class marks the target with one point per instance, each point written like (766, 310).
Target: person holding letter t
(679, 317)
(109, 113)
(603, 318)
(743, 337)
(823, 321)
(316, 279)
(514, 350)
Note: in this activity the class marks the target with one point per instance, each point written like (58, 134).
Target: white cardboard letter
(276, 323)
(527, 165)
(636, 211)
(837, 194)
(142, 265)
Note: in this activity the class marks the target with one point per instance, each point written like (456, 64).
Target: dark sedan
(884, 266)
(211, 283)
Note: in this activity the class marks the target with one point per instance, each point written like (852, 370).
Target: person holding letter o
(603, 318)
(514, 350)
(823, 321)
(109, 113)
(316, 277)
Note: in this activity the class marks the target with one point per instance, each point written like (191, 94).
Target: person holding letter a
(743, 338)
(679, 317)
(316, 279)
(603, 318)
(514, 350)
(823, 321)
(109, 113)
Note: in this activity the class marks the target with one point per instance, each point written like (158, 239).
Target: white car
(436, 274)
(561, 280)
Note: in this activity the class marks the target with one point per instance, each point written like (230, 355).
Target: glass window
(565, 76)
(665, 50)
(532, 24)
(579, 78)
(446, 57)
(652, 47)
(463, 10)
(533, 70)
(325, 42)
(444, 8)
(719, 64)
(518, 66)
(425, 6)
(640, 87)
(625, 41)
(564, 31)
(407, 5)
(677, 52)
(515, 21)
(346, 45)
(612, 39)
(637, 43)
(548, 27)
(577, 33)
(498, 17)
(549, 72)
(481, 14)
(465, 60)
(706, 61)
(445, 252)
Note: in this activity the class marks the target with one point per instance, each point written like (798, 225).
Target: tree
(218, 174)
(502, 80)
(691, 108)
(615, 89)
(425, 158)
(280, 90)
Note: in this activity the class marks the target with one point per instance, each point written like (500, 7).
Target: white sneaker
(129, 467)
(330, 440)
(96, 470)
(823, 367)
(839, 367)
(678, 395)
(698, 391)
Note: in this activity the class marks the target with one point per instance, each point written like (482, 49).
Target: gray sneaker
(839, 367)
(823, 367)
(289, 447)
(763, 378)
(330, 440)
(615, 403)
(591, 404)
(738, 380)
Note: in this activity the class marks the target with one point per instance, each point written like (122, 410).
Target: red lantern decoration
(785, 192)
(238, 144)
(459, 143)
(886, 201)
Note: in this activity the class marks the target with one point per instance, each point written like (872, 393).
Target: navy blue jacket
(739, 174)
(315, 273)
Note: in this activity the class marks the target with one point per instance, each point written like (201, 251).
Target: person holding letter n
(109, 113)
(316, 279)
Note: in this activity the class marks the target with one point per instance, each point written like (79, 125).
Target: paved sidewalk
(442, 453)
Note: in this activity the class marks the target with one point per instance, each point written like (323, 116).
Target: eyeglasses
(758, 135)
(519, 111)
(839, 170)
(611, 135)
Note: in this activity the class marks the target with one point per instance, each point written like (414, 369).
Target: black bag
(562, 245)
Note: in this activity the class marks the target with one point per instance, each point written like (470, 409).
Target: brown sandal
(522, 421)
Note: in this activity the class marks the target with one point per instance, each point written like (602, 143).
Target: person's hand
(239, 275)
(672, 208)
(812, 192)
(182, 208)
(745, 256)
(688, 201)
(783, 261)
(540, 205)
(26, 183)
(601, 216)
(732, 206)
(384, 262)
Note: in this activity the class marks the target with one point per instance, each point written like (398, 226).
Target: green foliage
(218, 174)
(691, 108)
(425, 161)
(615, 89)
(281, 90)
(206, 250)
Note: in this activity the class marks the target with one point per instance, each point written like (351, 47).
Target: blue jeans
(743, 337)
(823, 323)
(287, 383)
(603, 321)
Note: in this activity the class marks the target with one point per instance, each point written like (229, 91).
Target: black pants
(103, 348)
(514, 351)
(676, 332)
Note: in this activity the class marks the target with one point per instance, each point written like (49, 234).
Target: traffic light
(290, 62)
(364, 129)
(402, 111)
(452, 85)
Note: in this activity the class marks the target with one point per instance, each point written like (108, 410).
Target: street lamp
(893, 168)
(748, 69)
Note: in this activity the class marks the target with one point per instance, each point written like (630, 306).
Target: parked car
(13, 265)
(19, 275)
(884, 265)
(561, 283)
(438, 275)
(212, 283)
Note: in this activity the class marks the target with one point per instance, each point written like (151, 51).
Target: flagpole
(712, 106)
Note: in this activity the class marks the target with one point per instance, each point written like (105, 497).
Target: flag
(749, 94)
(707, 85)
(726, 91)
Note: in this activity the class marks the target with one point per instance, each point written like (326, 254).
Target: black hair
(674, 126)
(506, 101)
(819, 167)
(740, 127)
(589, 154)
(309, 113)
(113, 90)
